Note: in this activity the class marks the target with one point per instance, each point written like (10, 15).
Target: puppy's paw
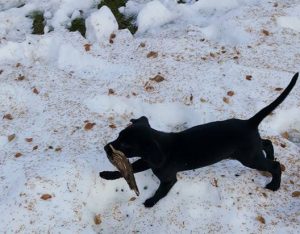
(110, 175)
(149, 203)
(272, 186)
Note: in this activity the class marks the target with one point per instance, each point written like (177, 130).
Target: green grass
(78, 24)
(38, 22)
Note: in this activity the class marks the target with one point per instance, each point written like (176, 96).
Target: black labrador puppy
(168, 153)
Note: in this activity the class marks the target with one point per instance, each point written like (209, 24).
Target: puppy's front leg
(137, 166)
(161, 192)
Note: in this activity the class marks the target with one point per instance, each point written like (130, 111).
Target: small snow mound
(228, 33)
(33, 49)
(67, 8)
(291, 22)
(287, 119)
(153, 15)
(100, 25)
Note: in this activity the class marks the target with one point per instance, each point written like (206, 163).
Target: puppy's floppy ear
(142, 120)
(153, 154)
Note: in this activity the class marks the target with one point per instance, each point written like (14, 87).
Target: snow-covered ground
(52, 85)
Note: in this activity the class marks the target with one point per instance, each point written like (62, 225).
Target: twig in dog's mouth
(119, 160)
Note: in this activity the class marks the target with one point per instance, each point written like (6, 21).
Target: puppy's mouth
(119, 160)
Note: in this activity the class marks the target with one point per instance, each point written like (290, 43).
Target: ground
(62, 98)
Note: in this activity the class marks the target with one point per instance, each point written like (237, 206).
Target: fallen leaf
(261, 219)
(248, 77)
(236, 57)
(282, 167)
(264, 194)
(112, 126)
(230, 93)
(285, 135)
(87, 47)
(132, 199)
(58, 149)
(20, 77)
(18, 64)
(111, 41)
(46, 196)
(28, 139)
(17, 155)
(8, 116)
(35, 91)
(202, 100)
(282, 145)
(278, 89)
(212, 55)
(226, 100)
(111, 92)
(296, 194)
(158, 78)
(89, 126)
(148, 87)
(275, 4)
(112, 36)
(265, 32)
(215, 182)
(152, 54)
(142, 44)
(292, 182)
(97, 219)
(35, 147)
(11, 137)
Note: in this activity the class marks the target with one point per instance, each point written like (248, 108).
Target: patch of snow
(100, 25)
(164, 116)
(291, 22)
(153, 15)
(286, 119)
(215, 4)
(204, 49)
(6, 4)
(19, 100)
(66, 9)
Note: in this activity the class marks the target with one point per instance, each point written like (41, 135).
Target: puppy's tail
(256, 119)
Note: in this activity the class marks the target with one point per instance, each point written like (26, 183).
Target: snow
(204, 49)
(100, 25)
(291, 22)
(153, 15)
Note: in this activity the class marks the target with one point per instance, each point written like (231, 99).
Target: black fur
(168, 153)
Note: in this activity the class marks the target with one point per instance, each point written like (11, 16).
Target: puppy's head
(137, 140)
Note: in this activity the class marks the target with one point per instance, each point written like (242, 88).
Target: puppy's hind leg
(261, 163)
(268, 148)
